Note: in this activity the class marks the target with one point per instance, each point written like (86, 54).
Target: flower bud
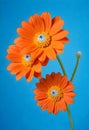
(79, 53)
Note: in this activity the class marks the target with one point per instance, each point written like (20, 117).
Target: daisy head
(54, 93)
(23, 64)
(43, 36)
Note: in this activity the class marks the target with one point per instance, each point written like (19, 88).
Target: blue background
(18, 110)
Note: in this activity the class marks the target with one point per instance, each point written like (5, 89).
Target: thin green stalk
(61, 64)
(70, 118)
(68, 109)
(75, 69)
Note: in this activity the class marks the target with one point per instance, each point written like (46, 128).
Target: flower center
(55, 93)
(27, 57)
(26, 60)
(42, 39)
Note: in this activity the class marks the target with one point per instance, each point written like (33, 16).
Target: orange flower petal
(13, 54)
(51, 107)
(30, 50)
(64, 40)
(36, 91)
(27, 26)
(21, 42)
(53, 79)
(42, 58)
(56, 19)
(68, 100)
(56, 79)
(71, 94)
(37, 23)
(56, 27)
(44, 62)
(13, 58)
(17, 69)
(45, 104)
(12, 48)
(41, 87)
(69, 88)
(47, 21)
(63, 82)
(29, 75)
(37, 53)
(59, 51)
(25, 33)
(37, 67)
(60, 35)
(42, 102)
(57, 44)
(37, 75)
(57, 107)
(21, 74)
(49, 78)
(13, 66)
(50, 53)
(40, 96)
(63, 104)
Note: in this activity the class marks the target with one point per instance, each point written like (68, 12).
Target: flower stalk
(68, 109)
(70, 118)
(76, 66)
(61, 64)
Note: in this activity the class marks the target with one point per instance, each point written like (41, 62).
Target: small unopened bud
(79, 53)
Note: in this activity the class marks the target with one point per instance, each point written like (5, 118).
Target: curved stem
(68, 109)
(75, 69)
(70, 118)
(61, 64)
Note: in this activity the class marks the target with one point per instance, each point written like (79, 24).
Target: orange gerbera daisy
(54, 93)
(23, 64)
(42, 36)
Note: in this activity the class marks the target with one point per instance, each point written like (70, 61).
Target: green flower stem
(70, 118)
(75, 69)
(68, 109)
(61, 64)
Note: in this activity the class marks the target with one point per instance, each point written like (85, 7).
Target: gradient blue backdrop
(18, 110)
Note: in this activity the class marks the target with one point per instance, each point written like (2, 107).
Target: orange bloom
(54, 93)
(23, 64)
(42, 36)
